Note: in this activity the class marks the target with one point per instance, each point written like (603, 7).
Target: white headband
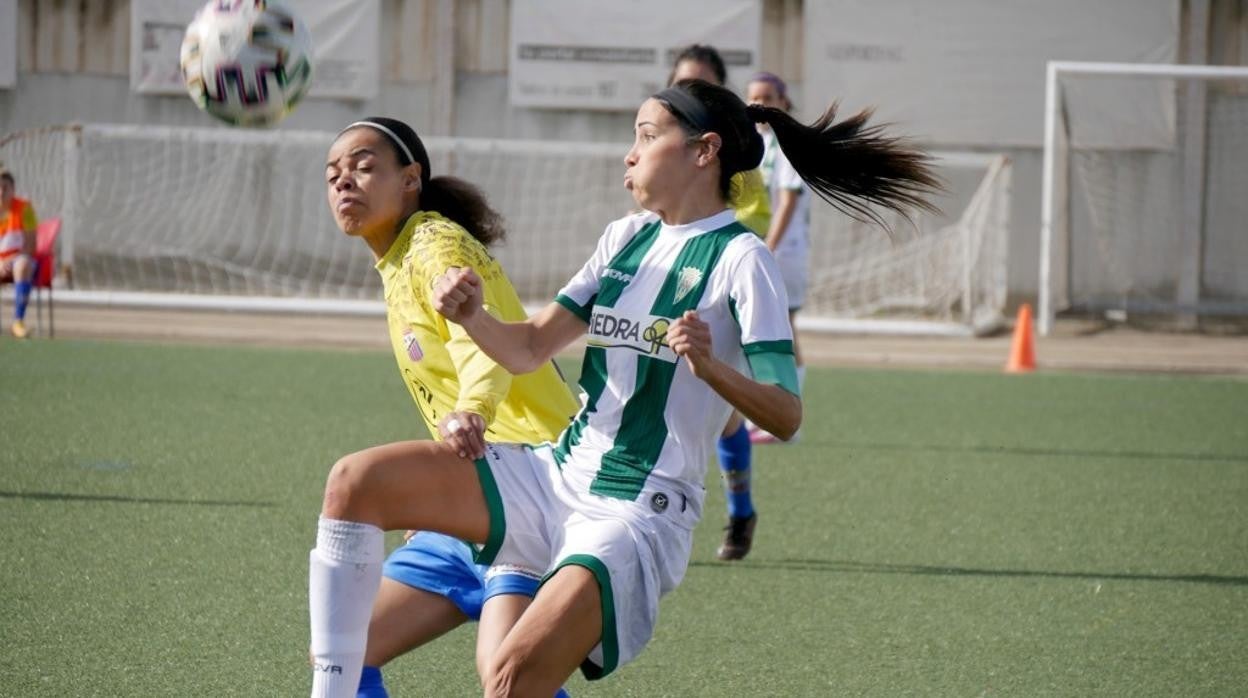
(390, 134)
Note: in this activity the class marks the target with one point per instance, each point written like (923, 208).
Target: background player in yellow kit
(417, 226)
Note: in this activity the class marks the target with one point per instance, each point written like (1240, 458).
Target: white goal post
(237, 219)
(1143, 197)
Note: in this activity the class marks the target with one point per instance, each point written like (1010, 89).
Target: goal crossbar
(1050, 196)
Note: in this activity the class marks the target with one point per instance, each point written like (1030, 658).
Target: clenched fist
(457, 294)
(690, 338)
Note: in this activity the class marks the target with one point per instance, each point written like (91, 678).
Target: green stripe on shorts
(610, 640)
(498, 520)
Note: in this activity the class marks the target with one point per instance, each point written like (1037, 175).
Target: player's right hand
(465, 432)
(690, 338)
(457, 294)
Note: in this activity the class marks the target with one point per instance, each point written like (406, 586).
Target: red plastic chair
(45, 268)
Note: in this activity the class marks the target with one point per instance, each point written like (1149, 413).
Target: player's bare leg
(498, 616)
(405, 618)
(408, 485)
(551, 639)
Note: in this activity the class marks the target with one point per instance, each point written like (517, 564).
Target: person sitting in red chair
(17, 248)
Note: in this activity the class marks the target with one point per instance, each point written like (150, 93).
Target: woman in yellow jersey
(381, 191)
(750, 203)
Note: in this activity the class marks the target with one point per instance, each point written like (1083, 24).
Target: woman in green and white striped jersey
(686, 319)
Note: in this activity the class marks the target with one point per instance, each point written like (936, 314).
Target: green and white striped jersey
(647, 422)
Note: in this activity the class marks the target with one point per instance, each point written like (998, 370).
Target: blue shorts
(443, 565)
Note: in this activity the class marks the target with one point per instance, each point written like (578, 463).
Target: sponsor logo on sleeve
(617, 275)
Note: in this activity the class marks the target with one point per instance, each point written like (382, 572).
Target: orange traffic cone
(1023, 348)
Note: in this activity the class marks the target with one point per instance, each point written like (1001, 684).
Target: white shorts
(794, 268)
(638, 550)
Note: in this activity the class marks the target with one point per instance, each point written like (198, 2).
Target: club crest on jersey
(646, 334)
(688, 278)
(412, 346)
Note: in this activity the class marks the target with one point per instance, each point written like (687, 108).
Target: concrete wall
(73, 62)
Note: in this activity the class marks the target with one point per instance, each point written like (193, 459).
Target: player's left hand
(690, 338)
(465, 432)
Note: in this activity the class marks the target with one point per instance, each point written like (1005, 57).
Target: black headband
(686, 107)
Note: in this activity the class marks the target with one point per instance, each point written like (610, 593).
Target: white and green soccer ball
(247, 62)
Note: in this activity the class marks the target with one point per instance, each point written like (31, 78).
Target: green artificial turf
(948, 534)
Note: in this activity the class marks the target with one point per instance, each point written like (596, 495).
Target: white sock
(343, 575)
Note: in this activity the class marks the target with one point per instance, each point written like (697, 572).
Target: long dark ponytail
(850, 164)
(457, 199)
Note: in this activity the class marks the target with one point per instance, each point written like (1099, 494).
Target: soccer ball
(247, 62)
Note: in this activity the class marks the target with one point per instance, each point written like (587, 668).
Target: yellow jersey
(750, 201)
(441, 365)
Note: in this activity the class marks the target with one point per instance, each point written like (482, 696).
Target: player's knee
(498, 678)
(508, 675)
(347, 490)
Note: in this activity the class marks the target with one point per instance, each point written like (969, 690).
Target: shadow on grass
(850, 567)
(116, 499)
(1041, 452)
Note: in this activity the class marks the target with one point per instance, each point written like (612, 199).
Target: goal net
(238, 219)
(1145, 174)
